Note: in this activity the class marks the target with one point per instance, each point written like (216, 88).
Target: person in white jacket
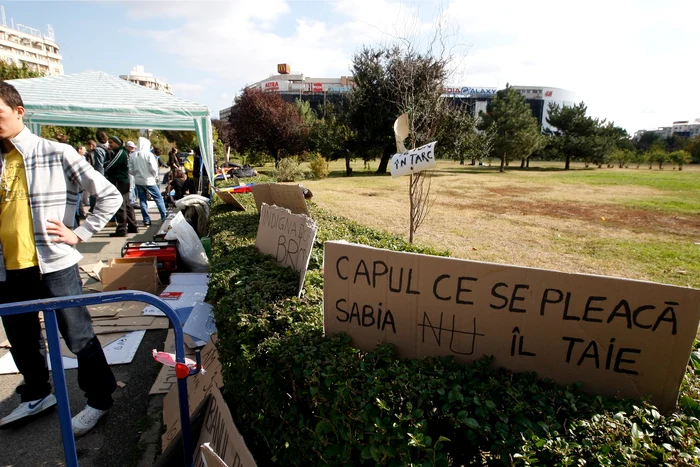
(144, 168)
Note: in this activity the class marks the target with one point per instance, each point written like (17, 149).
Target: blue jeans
(143, 201)
(95, 377)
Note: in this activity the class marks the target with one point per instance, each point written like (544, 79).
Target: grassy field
(634, 223)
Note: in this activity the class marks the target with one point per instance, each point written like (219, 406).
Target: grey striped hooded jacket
(55, 175)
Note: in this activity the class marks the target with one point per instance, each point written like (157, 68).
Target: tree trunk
(386, 157)
(503, 162)
(527, 163)
(348, 169)
(567, 165)
(473, 161)
(410, 197)
(522, 163)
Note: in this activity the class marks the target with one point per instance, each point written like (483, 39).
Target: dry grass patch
(535, 218)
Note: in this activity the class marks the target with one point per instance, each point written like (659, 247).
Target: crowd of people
(134, 171)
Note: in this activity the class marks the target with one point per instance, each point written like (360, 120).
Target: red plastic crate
(165, 251)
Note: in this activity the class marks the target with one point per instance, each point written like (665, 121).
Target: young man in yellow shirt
(40, 182)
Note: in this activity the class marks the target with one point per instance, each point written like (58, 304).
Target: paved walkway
(116, 441)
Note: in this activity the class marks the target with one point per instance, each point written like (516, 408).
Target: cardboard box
(616, 336)
(131, 274)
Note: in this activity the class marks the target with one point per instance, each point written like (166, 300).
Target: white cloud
(621, 57)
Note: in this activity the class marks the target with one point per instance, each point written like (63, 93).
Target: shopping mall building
(291, 86)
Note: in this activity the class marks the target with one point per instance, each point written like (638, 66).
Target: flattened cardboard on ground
(158, 323)
(105, 339)
(222, 435)
(284, 196)
(119, 352)
(617, 336)
(120, 309)
(229, 199)
(286, 237)
(198, 387)
(131, 274)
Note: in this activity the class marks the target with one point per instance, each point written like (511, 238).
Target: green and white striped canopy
(96, 99)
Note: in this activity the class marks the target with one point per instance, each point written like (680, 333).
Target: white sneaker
(86, 420)
(30, 408)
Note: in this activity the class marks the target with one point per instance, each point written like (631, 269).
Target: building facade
(538, 98)
(682, 128)
(292, 86)
(27, 47)
(140, 77)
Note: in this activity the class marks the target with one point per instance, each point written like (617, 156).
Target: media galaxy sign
(471, 92)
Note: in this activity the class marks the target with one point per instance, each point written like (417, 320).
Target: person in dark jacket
(181, 185)
(117, 172)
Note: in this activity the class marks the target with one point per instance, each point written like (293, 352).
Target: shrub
(318, 166)
(288, 170)
(302, 399)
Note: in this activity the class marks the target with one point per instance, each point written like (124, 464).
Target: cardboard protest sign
(284, 196)
(616, 336)
(413, 161)
(223, 437)
(229, 199)
(198, 387)
(287, 237)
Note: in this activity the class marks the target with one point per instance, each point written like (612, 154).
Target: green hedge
(301, 399)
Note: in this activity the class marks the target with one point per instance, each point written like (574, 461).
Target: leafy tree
(675, 143)
(307, 114)
(679, 158)
(459, 138)
(647, 140)
(637, 157)
(330, 135)
(8, 71)
(263, 122)
(576, 133)
(657, 155)
(517, 134)
(622, 157)
(388, 82)
(694, 149)
(75, 135)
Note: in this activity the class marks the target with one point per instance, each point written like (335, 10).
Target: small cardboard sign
(414, 161)
(131, 274)
(286, 237)
(616, 336)
(229, 199)
(222, 436)
(284, 196)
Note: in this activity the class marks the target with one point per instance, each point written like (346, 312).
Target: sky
(633, 62)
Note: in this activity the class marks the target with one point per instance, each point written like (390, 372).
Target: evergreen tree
(516, 133)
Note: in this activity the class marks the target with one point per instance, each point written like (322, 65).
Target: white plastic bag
(190, 248)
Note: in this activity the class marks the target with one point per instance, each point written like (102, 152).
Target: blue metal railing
(49, 307)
